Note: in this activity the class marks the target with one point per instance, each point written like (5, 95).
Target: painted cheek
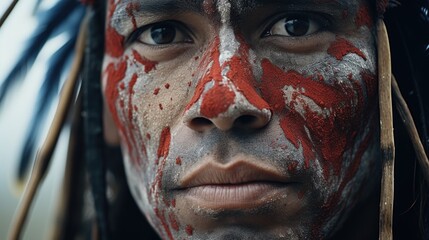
(148, 64)
(164, 144)
(330, 134)
(331, 204)
(115, 75)
(161, 208)
(342, 47)
(120, 95)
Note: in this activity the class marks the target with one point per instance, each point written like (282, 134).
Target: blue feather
(63, 18)
(49, 21)
(46, 95)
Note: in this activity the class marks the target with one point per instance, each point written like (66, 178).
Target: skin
(233, 128)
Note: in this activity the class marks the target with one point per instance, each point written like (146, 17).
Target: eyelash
(321, 20)
(178, 26)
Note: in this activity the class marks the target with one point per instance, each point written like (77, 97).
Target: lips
(239, 184)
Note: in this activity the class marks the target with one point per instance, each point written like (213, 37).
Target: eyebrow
(248, 4)
(168, 6)
(178, 6)
(150, 10)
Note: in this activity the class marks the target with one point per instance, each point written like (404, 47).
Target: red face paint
(114, 42)
(161, 216)
(164, 143)
(341, 47)
(240, 74)
(131, 7)
(212, 75)
(363, 17)
(189, 230)
(163, 150)
(210, 106)
(330, 135)
(178, 161)
(148, 65)
(173, 222)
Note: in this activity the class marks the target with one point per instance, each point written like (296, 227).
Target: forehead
(237, 6)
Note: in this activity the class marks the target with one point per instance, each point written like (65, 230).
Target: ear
(111, 135)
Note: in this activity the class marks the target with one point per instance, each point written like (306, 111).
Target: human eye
(295, 25)
(161, 33)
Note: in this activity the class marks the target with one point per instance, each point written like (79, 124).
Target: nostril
(224, 122)
(200, 123)
(246, 121)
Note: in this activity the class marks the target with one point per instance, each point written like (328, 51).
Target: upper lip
(232, 173)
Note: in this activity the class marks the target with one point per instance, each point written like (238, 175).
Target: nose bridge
(226, 96)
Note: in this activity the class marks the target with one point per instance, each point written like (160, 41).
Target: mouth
(240, 184)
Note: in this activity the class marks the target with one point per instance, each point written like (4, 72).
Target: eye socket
(162, 33)
(294, 26)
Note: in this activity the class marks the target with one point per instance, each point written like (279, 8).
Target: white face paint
(242, 120)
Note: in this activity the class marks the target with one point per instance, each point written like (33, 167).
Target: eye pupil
(163, 34)
(297, 26)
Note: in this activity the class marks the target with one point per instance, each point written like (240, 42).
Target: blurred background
(15, 114)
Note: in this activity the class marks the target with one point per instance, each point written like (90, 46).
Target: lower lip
(236, 196)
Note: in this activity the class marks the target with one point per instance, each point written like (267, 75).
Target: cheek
(330, 116)
(124, 78)
(118, 91)
(323, 116)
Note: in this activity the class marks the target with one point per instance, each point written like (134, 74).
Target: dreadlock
(92, 114)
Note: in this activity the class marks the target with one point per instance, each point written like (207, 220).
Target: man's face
(253, 119)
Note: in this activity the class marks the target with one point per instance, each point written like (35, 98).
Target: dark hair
(408, 26)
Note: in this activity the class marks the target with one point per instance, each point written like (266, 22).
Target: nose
(225, 97)
(239, 114)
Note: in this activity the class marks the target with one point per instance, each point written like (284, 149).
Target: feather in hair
(63, 18)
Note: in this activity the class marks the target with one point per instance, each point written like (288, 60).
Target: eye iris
(297, 26)
(163, 34)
